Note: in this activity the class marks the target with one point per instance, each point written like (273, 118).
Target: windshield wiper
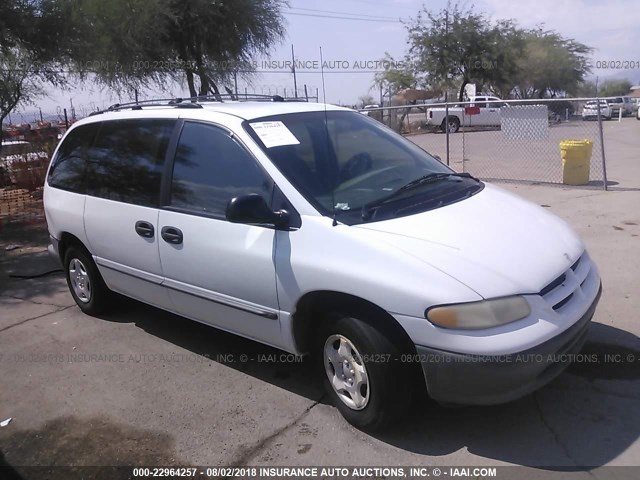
(369, 208)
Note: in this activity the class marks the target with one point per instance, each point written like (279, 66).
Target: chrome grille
(560, 291)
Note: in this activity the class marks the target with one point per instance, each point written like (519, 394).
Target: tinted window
(481, 102)
(127, 159)
(68, 168)
(211, 168)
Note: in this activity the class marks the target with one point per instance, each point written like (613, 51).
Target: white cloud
(570, 17)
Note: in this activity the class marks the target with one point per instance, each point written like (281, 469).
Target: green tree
(505, 50)
(613, 88)
(457, 46)
(396, 76)
(203, 41)
(551, 65)
(212, 38)
(127, 44)
(29, 57)
(123, 45)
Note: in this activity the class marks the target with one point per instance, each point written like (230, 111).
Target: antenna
(326, 127)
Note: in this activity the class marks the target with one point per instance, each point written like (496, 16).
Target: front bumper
(486, 380)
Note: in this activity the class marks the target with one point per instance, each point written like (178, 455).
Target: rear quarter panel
(64, 212)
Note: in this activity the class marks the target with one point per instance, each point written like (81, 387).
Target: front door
(218, 272)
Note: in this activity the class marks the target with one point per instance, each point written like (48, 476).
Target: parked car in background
(369, 107)
(620, 104)
(590, 110)
(483, 111)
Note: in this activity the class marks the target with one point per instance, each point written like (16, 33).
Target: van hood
(494, 242)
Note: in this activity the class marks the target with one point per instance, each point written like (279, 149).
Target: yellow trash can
(576, 161)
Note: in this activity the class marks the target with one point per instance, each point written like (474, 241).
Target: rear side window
(211, 168)
(69, 167)
(127, 159)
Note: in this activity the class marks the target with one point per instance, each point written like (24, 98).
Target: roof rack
(196, 102)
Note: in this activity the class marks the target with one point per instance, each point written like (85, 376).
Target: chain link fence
(27, 146)
(512, 140)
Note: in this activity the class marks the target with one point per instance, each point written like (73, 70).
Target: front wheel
(85, 282)
(363, 374)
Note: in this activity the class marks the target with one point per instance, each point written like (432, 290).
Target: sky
(349, 47)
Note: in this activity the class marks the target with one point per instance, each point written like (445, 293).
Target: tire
(454, 125)
(373, 360)
(85, 282)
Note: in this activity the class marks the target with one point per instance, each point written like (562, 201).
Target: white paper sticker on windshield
(274, 134)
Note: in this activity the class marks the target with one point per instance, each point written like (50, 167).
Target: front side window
(127, 159)
(342, 162)
(68, 168)
(211, 168)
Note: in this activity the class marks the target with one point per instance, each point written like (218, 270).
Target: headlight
(478, 315)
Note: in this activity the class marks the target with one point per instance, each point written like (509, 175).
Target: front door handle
(171, 235)
(144, 229)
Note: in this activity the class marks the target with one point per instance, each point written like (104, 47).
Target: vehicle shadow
(584, 419)
(296, 374)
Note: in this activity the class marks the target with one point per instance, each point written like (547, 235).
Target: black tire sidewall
(388, 393)
(455, 120)
(99, 291)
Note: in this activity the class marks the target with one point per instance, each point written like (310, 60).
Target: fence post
(604, 160)
(464, 155)
(446, 121)
(66, 120)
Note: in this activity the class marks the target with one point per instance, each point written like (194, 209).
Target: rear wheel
(85, 282)
(363, 374)
(454, 125)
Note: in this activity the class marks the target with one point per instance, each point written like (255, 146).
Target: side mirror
(253, 208)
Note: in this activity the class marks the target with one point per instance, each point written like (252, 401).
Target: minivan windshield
(356, 169)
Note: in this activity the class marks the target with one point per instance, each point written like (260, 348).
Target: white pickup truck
(483, 111)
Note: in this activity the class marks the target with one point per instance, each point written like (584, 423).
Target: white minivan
(316, 229)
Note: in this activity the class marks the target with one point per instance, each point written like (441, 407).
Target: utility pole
(293, 70)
